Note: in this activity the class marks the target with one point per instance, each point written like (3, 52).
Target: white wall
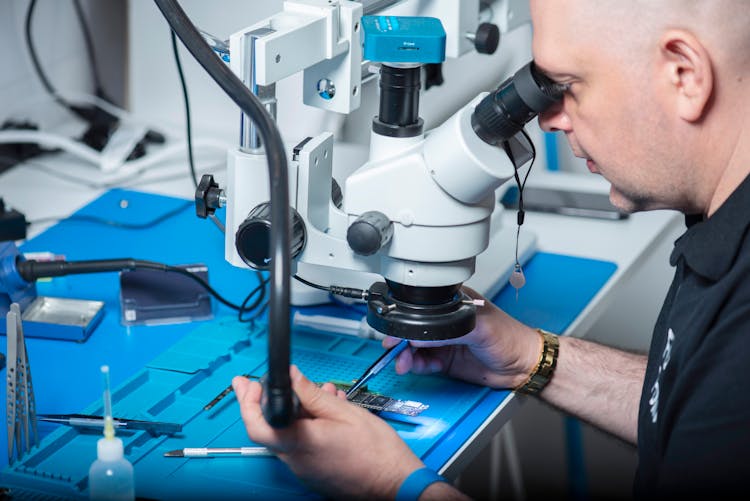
(153, 85)
(60, 48)
(153, 91)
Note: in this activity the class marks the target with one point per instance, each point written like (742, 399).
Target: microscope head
(432, 310)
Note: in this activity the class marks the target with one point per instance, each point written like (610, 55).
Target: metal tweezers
(21, 407)
(154, 428)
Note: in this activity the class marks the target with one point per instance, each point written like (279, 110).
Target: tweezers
(90, 421)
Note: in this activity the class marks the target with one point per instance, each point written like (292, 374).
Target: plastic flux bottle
(111, 475)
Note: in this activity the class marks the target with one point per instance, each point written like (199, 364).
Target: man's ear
(687, 65)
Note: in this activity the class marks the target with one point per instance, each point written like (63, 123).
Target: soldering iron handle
(31, 270)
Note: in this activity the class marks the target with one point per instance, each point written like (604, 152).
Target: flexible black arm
(279, 406)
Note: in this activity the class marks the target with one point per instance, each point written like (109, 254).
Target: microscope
(418, 212)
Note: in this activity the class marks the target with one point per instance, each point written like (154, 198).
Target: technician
(658, 104)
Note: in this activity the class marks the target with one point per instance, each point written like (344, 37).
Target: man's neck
(736, 169)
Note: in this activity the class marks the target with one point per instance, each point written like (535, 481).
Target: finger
(426, 364)
(390, 341)
(314, 400)
(248, 395)
(329, 388)
(240, 385)
(439, 343)
(404, 362)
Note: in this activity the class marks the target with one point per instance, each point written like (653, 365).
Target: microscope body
(416, 214)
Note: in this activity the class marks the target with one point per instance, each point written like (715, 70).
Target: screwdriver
(377, 366)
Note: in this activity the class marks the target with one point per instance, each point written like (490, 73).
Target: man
(658, 104)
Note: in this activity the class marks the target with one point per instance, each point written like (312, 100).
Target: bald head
(667, 78)
(634, 25)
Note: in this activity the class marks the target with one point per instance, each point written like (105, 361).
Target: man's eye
(561, 87)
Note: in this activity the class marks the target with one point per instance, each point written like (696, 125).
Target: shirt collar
(710, 246)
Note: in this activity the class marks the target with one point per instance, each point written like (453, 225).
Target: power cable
(32, 270)
(188, 126)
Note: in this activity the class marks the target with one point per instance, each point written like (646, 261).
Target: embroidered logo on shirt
(653, 401)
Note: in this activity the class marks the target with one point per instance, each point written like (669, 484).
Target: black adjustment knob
(208, 197)
(371, 231)
(253, 237)
(487, 38)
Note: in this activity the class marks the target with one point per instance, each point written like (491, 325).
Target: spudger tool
(378, 366)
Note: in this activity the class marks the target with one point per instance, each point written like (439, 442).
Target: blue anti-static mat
(160, 380)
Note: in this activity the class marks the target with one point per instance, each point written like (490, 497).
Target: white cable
(170, 150)
(51, 141)
(117, 112)
(94, 157)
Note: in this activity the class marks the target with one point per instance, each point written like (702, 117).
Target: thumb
(315, 401)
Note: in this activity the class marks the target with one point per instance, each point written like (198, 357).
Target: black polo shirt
(694, 416)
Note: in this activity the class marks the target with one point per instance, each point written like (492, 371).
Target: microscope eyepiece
(503, 113)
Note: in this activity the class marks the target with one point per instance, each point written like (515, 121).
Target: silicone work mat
(170, 372)
(176, 386)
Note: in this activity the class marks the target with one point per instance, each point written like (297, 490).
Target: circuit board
(369, 400)
(377, 402)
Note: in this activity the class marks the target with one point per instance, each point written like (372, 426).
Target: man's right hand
(500, 352)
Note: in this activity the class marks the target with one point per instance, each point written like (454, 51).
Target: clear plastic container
(111, 475)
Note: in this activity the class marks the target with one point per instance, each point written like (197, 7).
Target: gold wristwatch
(544, 369)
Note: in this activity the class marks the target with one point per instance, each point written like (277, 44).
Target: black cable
(520, 216)
(116, 224)
(188, 126)
(533, 158)
(101, 122)
(280, 407)
(195, 277)
(310, 284)
(261, 291)
(335, 289)
(35, 60)
(32, 270)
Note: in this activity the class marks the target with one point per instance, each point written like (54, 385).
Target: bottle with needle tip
(111, 475)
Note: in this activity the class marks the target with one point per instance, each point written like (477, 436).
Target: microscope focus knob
(369, 233)
(253, 237)
(486, 39)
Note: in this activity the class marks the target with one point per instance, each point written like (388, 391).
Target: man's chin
(592, 167)
(629, 203)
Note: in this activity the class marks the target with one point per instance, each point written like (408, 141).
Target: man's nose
(555, 119)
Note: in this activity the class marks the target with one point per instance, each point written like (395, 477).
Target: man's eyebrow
(553, 75)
